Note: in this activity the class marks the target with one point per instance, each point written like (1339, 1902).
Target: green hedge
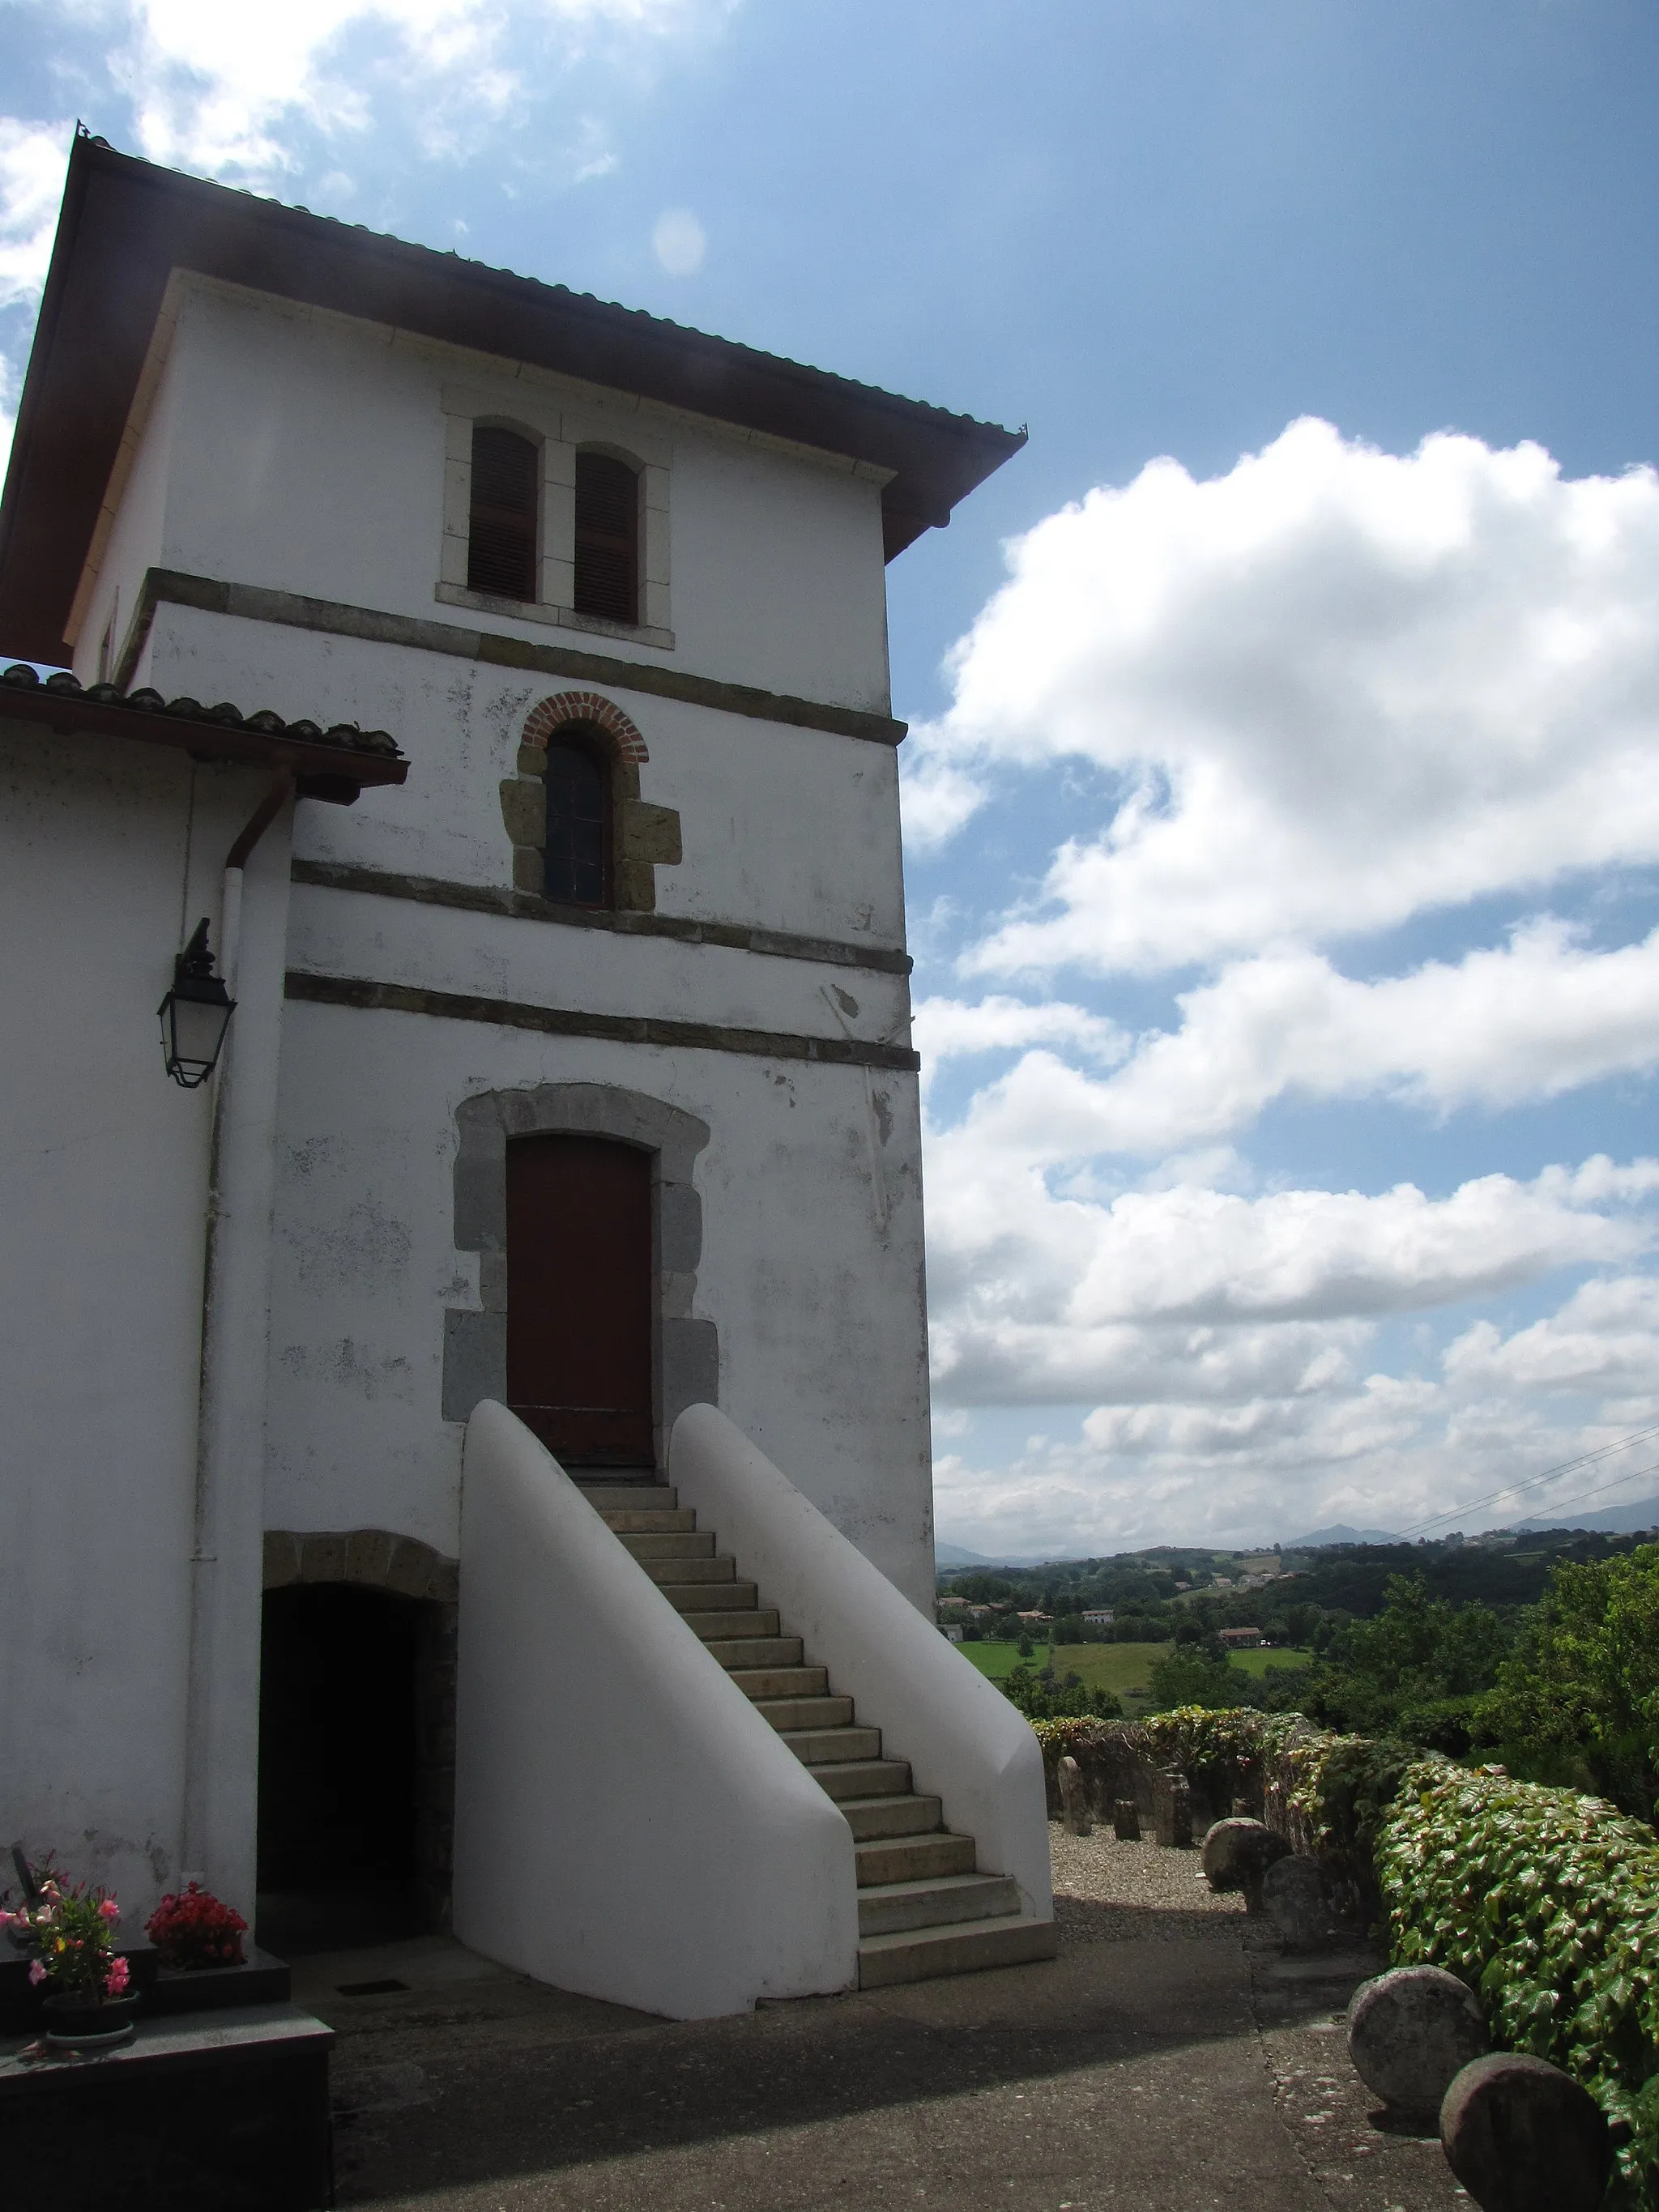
(1545, 1902)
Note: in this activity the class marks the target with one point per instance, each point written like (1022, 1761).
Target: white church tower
(503, 676)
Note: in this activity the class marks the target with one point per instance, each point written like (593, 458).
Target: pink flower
(37, 1972)
(109, 1908)
(116, 1980)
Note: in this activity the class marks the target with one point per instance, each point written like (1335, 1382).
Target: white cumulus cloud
(1333, 688)
(33, 156)
(220, 90)
(1044, 1297)
(1540, 1016)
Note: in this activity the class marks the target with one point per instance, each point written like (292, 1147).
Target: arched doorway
(356, 1740)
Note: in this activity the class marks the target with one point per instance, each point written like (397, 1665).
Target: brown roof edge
(326, 764)
(126, 224)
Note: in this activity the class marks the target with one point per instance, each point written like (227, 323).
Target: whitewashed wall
(315, 463)
(821, 1340)
(813, 1269)
(103, 1182)
(783, 827)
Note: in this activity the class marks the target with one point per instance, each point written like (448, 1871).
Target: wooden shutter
(500, 548)
(607, 538)
(579, 1298)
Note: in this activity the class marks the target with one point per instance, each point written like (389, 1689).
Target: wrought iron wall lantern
(195, 1014)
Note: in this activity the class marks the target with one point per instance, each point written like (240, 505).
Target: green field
(1257, 1662)
(1125, 1668)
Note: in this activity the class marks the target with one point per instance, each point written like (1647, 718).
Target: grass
(1257, 1662)
(1124, 1668)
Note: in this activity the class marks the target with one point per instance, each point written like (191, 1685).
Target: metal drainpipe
(234, 1148)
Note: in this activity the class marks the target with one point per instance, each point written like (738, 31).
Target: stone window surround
(685, 1351)
(558, 432)
(643, 837)
(402, 1566)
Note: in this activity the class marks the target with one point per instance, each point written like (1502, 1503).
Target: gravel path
(1106, 1891)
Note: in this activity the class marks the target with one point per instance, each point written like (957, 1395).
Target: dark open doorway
(345, 1674)
(580, 1297)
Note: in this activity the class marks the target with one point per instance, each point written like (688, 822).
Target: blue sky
(1282, 812)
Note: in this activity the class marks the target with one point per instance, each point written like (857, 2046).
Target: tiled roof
(332, 763)
(144, 701)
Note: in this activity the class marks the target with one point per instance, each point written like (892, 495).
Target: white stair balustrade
(628, 1823)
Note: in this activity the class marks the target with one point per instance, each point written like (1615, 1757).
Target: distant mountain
(1614, 1521)
(951, 1558)
(1340, 1533)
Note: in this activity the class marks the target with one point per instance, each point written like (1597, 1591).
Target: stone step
(718, 1628)
(758, 1651)
(661, 1543)
(830, 1746)
(722, 1597)
(681, 1572)
(921, 1954)
(890, 1907)
(631, 1497)
(863, 1777)
(780, 1681)
(788, 1715)
(913, 1858)
(869, 1817)
(667, 1521)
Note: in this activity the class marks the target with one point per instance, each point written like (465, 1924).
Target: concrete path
(1169, 2061)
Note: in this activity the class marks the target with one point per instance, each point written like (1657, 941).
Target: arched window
(500, 550)
(576, 856)
(607, 538)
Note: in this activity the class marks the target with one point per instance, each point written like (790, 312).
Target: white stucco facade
(303, 454)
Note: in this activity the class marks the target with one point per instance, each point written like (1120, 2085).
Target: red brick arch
(586, 706)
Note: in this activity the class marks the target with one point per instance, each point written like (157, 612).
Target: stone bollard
(1297, 1898)
(1074, 1799)
(1126, 1820)
(1172, 1811)
(1523, 2136)
(1238, 1853)
(1410, 2031)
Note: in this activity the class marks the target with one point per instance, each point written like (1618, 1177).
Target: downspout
(220, 1765)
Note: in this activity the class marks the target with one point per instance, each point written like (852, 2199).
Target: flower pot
(74, 2021)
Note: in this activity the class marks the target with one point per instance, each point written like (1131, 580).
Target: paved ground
(1169, 2060)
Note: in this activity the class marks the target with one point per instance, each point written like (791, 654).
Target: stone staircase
(924, 1909)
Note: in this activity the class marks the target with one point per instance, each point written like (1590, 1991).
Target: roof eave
(333, 771)
(117, 245)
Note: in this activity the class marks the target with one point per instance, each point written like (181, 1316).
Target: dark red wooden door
(579, 1298)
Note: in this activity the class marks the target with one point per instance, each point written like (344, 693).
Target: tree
(1023, 1647)
(1040, 1697)
(1417, 1669)
(1189, 1675)
(1578, 1701)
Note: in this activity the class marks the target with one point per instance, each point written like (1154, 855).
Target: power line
(1534, 1481)
(1618, 1482)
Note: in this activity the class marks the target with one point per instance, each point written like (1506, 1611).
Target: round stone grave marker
(1410, 2031)
(1523, 2136)
(1238, 1850)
